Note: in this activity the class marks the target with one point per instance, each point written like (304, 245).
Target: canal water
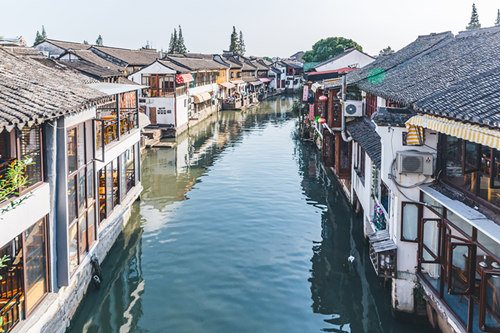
(239, 230)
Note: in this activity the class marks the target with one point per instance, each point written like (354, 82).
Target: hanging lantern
(321, 120)
(323, 98)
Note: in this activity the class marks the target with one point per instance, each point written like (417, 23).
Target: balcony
(152, 92)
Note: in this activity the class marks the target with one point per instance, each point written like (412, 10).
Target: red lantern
(323, 98)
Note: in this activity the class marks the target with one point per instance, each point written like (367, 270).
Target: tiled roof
(392, 116)
(421, 44)
(95, 59)
(438, 80)
(33, 89)
(91, 69)
(475, 100)
(176, 67)
(68, 45)
(141, 57)
(195, 64)
(363, 132)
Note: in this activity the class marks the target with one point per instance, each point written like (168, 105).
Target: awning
(238, 82)
(143, 120)
(469, 132)
(315, 86)
(265, 79)
(202, 97)
(255, 83)
(227, 85)
(183, 78)
(115, 88)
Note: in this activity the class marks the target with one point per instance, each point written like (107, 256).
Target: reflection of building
(69, 130)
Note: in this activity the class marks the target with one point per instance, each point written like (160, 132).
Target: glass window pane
(488, 243)
(102, 194)
(492, 302)
(89, 141)
(81, 145)
(109, 188)
(82, 226)
(71, 199)
(73, 248)
(459, 222)
(130, 155)
(71, 150)
(90, 183)
(433, 204)
(31, 148)
(36, 264)
(123, 175)
(410, 221)
(81, 191)
(91, 225)
(116, 198)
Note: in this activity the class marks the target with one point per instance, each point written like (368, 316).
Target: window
(81, 193)
(384, 196)
(472, 168)
(410, 215)
(371, 105)
(360, 162)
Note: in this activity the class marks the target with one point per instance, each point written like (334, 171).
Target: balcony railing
(158, 92)
(111, 129)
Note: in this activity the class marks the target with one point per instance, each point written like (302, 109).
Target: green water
(239, 230)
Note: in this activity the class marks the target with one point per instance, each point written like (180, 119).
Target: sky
(270, 27)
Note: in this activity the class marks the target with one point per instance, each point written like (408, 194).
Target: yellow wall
(235, 74)
(222, 76)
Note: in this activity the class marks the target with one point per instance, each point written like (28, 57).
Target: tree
(497, 22)
(233, 46)
(386, 51)
(98, 41)
(40, 37)
(181, 47)
(241, 44)
(474, 19)
(328, 48)
(85, 42)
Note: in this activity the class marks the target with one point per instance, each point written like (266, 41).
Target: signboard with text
(305, 93)
(311, 112)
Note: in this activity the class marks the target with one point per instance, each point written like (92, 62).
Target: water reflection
(223, 235)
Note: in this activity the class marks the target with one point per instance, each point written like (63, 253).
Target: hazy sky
(270, 27)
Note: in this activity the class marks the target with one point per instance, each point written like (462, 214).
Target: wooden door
(152, 115)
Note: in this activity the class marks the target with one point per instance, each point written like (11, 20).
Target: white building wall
(392, 142)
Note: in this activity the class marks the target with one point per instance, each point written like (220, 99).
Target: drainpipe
(344, 90)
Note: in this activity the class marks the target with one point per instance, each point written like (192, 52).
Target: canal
(239, 230)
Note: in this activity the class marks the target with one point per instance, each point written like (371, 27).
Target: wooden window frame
(419, 217)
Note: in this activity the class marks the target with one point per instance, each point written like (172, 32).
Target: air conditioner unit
(353, 108)
(415, 162)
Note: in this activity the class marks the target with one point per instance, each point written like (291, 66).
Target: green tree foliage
(497, 22)
(40, 37)
(181, 47)
(474, 19)
(173, 42)
(99, 41)
(328, 48)
(241, 44)
(386, 51)
(85, 42)
(233, 46)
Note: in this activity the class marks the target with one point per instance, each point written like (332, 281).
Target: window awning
(255, 83)
(227, 85)
(265, 79)
(238, 82)
(183, 78)
(315, 86)
(469, 132)
(202, 97)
